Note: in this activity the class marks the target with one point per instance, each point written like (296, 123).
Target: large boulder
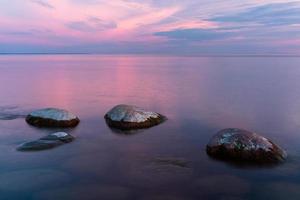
(47, 142)
(52, 117)
(241, 145)
(128, 117)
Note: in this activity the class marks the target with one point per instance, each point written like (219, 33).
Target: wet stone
(47, 142)
(241, 145)
(52, 117)
(127, 117)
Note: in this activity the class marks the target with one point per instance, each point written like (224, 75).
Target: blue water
(199, 95)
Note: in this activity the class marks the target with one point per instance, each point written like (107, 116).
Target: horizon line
(161, 55)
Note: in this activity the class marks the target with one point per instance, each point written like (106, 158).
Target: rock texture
(52, 117)
(241, 145)
(128, 117)
(47, 142)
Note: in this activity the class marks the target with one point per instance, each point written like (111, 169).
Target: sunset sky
(150, 26)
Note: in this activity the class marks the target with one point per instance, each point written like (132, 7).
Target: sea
(199, 95)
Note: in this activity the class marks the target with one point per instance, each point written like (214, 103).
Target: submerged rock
(52, 117)
(178, 162)
(242, 145)
(47, 142)
(131, 117)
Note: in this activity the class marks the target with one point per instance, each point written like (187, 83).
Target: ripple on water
(11, 113)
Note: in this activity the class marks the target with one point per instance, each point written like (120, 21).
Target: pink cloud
(70, 22)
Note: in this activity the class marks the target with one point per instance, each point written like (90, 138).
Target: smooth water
(199, 95)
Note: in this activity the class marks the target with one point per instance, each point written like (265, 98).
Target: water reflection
(200, 96)
(127, 132)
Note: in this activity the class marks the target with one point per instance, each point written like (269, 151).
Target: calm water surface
(200, 96)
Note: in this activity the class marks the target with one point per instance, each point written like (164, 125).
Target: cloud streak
(43, 3)
(92, 24)
(269, 14)
(196, 34)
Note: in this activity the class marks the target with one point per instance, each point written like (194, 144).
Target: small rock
(241, 145)
(47, 142)
(128, 117)
(52, 117)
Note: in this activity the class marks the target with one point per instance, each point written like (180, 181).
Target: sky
(202, 27)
